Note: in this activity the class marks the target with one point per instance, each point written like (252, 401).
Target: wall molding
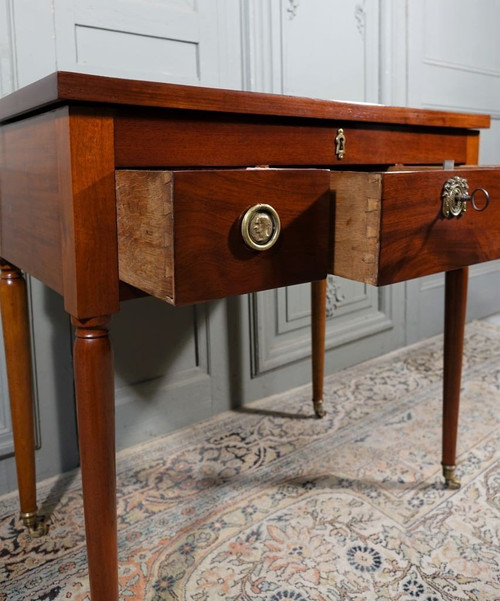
(262, 45)
(435, 62)
(8, 68)
(393, 40)
(494, 114)
(276, 343)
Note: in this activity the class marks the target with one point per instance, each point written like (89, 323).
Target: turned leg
(318, 326)
(15, 322)
(93, 365)
(454, 326)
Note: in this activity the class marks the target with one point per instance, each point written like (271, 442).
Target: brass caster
(34, 523)
(450, 480)
(318, 408)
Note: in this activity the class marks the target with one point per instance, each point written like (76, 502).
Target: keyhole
(340, 144)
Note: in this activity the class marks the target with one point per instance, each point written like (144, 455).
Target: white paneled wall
(180, 41)
(454, 64)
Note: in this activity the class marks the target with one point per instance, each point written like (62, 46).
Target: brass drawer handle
(260, 227)
(455, 196)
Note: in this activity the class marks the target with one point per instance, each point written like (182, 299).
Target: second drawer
(390, 226)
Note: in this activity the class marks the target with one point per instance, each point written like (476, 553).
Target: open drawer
(391, 226)
(191, 236)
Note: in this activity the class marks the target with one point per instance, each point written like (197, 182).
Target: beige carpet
(269, 504)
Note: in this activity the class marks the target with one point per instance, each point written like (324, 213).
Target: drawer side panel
(145, 231)
(357, 204)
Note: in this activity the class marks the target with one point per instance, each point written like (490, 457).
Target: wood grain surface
(357, 202)
(94, 387)
(88, 212)
(159, 138)
(30, 199)
(145, 214)
(79, 87)
(456, 283)
(16, 336)
(389, 227)
(180, 239)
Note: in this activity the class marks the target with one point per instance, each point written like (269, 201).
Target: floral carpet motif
(269, 504)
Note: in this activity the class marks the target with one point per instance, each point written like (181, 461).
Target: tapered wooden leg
(16, 333)
(454, 327)
(318, 325)
(93, 365)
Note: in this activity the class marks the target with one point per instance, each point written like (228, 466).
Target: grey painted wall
(178, 366)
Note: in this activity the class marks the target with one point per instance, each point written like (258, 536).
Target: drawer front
(390, 227)
(180, 232)
(210, 141)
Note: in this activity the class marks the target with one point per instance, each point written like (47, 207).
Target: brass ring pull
(260, 227)
(455, 196)
(486, 199)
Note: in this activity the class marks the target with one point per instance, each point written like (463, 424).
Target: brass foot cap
(318, 408)
(450, 480)
(34, 524)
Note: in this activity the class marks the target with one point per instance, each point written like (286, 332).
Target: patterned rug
(270, 504)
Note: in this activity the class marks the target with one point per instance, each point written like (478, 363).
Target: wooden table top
(66, 87)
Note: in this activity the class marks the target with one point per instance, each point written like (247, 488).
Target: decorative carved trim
(360, 16)
(334, 296)
(292, 8)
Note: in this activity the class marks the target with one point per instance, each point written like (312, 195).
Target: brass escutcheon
(455, 196)
(340, 144)
(260, 227)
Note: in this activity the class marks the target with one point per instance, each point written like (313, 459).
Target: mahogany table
(193, 194)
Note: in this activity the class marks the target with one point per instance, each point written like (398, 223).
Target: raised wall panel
(446, 73)
(162, 376)
(110, 49)
(282, 320)
(327, 50)
(175, 41)
(481, 53)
